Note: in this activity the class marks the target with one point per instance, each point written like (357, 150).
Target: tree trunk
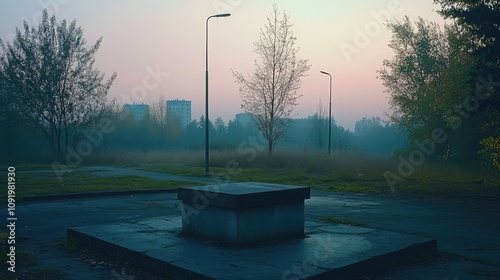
(270, 147)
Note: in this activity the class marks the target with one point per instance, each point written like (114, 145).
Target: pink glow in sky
(169, 37)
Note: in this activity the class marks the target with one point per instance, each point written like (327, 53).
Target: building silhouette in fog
(243, 118)
(180, 110)
(138, 110)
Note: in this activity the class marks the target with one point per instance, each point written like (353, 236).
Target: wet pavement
(469, 231)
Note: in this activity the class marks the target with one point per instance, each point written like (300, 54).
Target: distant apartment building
(138, 110)
(179, 109)
(243, 118)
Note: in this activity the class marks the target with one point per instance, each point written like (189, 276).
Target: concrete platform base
(329, 251)
(244, 213)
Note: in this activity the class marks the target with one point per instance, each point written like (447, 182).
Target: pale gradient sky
(170, 36)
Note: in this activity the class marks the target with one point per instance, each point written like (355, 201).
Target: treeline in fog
(121, 130)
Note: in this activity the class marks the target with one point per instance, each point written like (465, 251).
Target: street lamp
(329, 114)
(206, 88)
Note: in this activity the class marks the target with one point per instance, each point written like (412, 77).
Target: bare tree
(158, 112)
(269, 95)
(320, 125)
(50, 78)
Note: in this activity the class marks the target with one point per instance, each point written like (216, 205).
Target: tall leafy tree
(52, 82)
(481, 19)
(9, 121)
(270, 93)
(419, 57)
(428, 81)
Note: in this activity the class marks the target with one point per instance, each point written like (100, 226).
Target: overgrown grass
(42, 183)
(340, 171)
(313, 161)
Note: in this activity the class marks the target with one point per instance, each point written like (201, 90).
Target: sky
(157, 48)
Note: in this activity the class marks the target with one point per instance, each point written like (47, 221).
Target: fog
(121, 130)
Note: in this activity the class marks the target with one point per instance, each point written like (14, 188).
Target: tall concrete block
(244, 213)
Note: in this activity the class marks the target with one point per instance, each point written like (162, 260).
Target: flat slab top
(243, 195)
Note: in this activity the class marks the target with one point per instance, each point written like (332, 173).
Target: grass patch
(43, 183)
(467, 186)
(340, 172)
(25, 264)
(342, 221)
(22, 256)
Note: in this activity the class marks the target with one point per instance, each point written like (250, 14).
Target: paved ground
(470, 231)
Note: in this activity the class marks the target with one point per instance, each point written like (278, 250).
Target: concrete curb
(30, 198)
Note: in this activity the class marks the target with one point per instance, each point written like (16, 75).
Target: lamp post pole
(329, 115)
(206, 90)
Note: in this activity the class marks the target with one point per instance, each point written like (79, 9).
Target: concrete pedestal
(244, 213)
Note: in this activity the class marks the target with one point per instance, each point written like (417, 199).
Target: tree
(364, 125)
(158, 113)
(9, 122)
(219, 132)
(427, 78)
(320, 125)
(419, 58)
(341, 137)
(51, 80)
(480, 19)
(270, 93)
(371, 135)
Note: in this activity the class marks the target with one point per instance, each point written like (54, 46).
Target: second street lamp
(329, 114)
(206, 89)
